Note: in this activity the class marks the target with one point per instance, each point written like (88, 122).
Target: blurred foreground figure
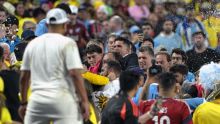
(209, 112)
(53, 63)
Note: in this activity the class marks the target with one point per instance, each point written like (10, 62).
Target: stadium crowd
(131, 61)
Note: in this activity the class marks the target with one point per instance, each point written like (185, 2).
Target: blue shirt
(137, 96)
(168, 42)
(153, 91)
(41, 28)
(11, 44)
(185, 30)
(190, 77)
(194, 102)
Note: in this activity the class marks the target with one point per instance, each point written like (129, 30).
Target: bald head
(6, 52)
(116, 23)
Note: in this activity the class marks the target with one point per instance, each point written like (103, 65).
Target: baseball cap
(134, 29)
(27, 35)
(56, 16)
(11, 20)
(74, 9)
(9, 7)
(19, 50)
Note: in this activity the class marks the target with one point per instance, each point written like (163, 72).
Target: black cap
(19, 50)
(27, 35)
(64, 7)
(11, 20)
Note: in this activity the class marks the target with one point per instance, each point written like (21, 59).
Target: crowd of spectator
(145, 61)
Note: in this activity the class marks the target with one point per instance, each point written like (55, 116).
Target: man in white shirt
(52, 63)
(112, 70)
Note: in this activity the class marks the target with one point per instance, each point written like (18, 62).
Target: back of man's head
(166, 81)
(115, 66)
(64, 7)
(128, 80)
(179, 68)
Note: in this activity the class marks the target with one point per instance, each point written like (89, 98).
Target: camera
(154, 69)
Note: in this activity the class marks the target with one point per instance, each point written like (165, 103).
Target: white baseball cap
(73, 9)
(56, 16)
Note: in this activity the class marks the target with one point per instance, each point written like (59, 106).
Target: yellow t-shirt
(212, 26)
(6, 117)
(70, 2)
(207, 113)
(21, 23)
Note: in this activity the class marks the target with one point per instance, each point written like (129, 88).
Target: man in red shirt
(172, 111)
(76, 30)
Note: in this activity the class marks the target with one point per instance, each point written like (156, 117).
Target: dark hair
(1, 53)
(116, 55)
(180, 52)
(97, 41)
(64, 7)
(198, 33)
(149, 39)
(166, 80)
(164, 53)
(112, 35)
(154, 69)
(93, 49)
(2, 9)
(179, 68)
(125, 34)
(115, 66)
(169, 19)
(147, 49)
(124, 40)
(147, 24)
(11, 20)
(38, 11)
(128, 80)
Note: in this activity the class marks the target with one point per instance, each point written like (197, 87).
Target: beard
(199, 45)
(167, 31)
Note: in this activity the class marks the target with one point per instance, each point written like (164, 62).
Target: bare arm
(78, 83)
(144, 118)
(80, 89)
(144, 92)
(24, 84)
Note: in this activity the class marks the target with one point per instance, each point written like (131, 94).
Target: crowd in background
(128, 48)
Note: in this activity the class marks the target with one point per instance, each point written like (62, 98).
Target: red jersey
(79, 33)
(172, 112)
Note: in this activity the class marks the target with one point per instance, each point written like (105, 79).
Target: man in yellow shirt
(209, 112)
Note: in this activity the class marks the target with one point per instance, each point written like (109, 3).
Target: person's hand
(22, 111)
(140, 37)
(85, 110)
(156, 107)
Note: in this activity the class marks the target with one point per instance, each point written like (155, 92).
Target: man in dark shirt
(124, 48)
(200, 54)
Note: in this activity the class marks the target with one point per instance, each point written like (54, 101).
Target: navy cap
(27, 35)
(19, 50)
